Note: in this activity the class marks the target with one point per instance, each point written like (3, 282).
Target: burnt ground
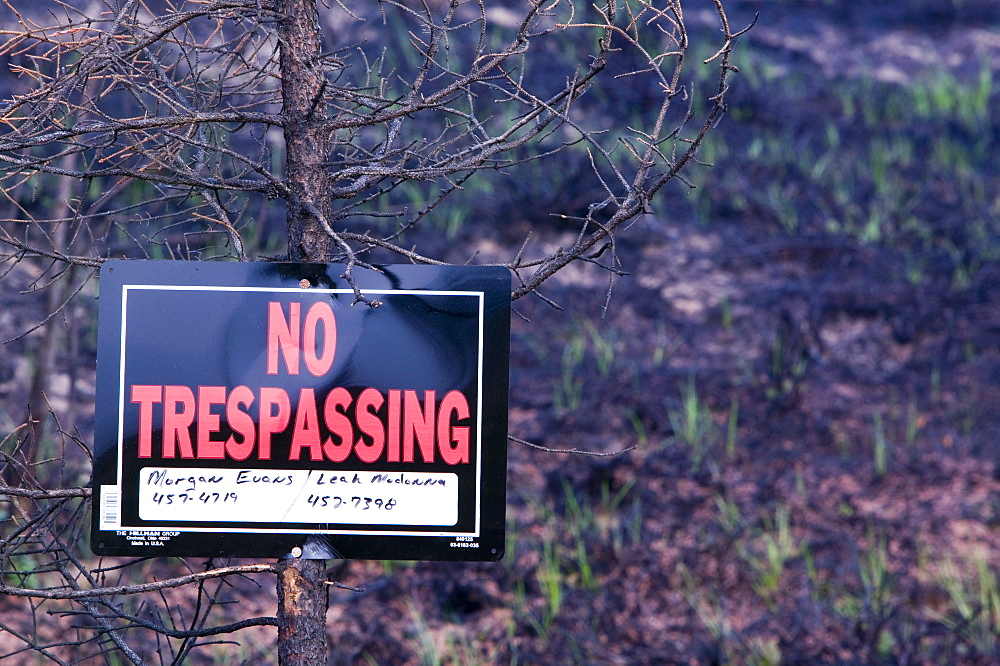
(816, 475)
(819, 357)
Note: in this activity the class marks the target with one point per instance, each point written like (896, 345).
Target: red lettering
(209, 422)
(241, 423)
(146, 396)
(270, 422)
(370, 428)
(453, 445)
(290, 335)
(305, 434)
(418, 423)
(178, 415)
(369, 402)
(334, 413)
(319, 312)
(393, 425)
(283, 335)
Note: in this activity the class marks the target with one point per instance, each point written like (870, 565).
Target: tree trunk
(302, 594)
(307, 141)
(37, 417)
(302, 603)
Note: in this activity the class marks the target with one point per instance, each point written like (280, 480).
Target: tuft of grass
(974, 614)
(692, 424)
(877, 582)
(763, 652)
(569, 390)
(664, 348)
(870, 606)
(769, 556)
(587, 341)
(612, 522)
(550, 580)
(881, 445)
(642, 437)
(580, 520)
(729, 517)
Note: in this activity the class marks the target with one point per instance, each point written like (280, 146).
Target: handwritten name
(161, 478)
(406, 481)
(247, 476)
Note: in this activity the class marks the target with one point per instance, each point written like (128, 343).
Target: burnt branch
(137, 589)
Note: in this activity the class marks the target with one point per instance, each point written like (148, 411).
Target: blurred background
(806, 353)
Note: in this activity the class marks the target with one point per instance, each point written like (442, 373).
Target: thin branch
(59, 493)
(578, 452)
(140, 588)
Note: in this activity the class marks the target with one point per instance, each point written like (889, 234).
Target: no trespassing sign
(252, 409)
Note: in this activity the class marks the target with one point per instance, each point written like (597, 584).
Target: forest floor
(816, 471)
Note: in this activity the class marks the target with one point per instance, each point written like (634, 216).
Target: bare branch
(59, 493)
(578, 452)
(141, 588)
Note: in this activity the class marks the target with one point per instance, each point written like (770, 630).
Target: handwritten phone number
(184, 498)
(362, 503)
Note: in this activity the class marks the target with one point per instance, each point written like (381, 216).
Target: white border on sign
(384, 292)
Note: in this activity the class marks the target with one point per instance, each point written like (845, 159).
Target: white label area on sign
(298, 496)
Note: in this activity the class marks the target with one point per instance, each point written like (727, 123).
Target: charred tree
(190, 125)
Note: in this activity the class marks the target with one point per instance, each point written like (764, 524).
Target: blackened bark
(302, 590)
(302, 604)
(307, 142)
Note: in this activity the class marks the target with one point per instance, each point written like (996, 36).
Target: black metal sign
(252, 409)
